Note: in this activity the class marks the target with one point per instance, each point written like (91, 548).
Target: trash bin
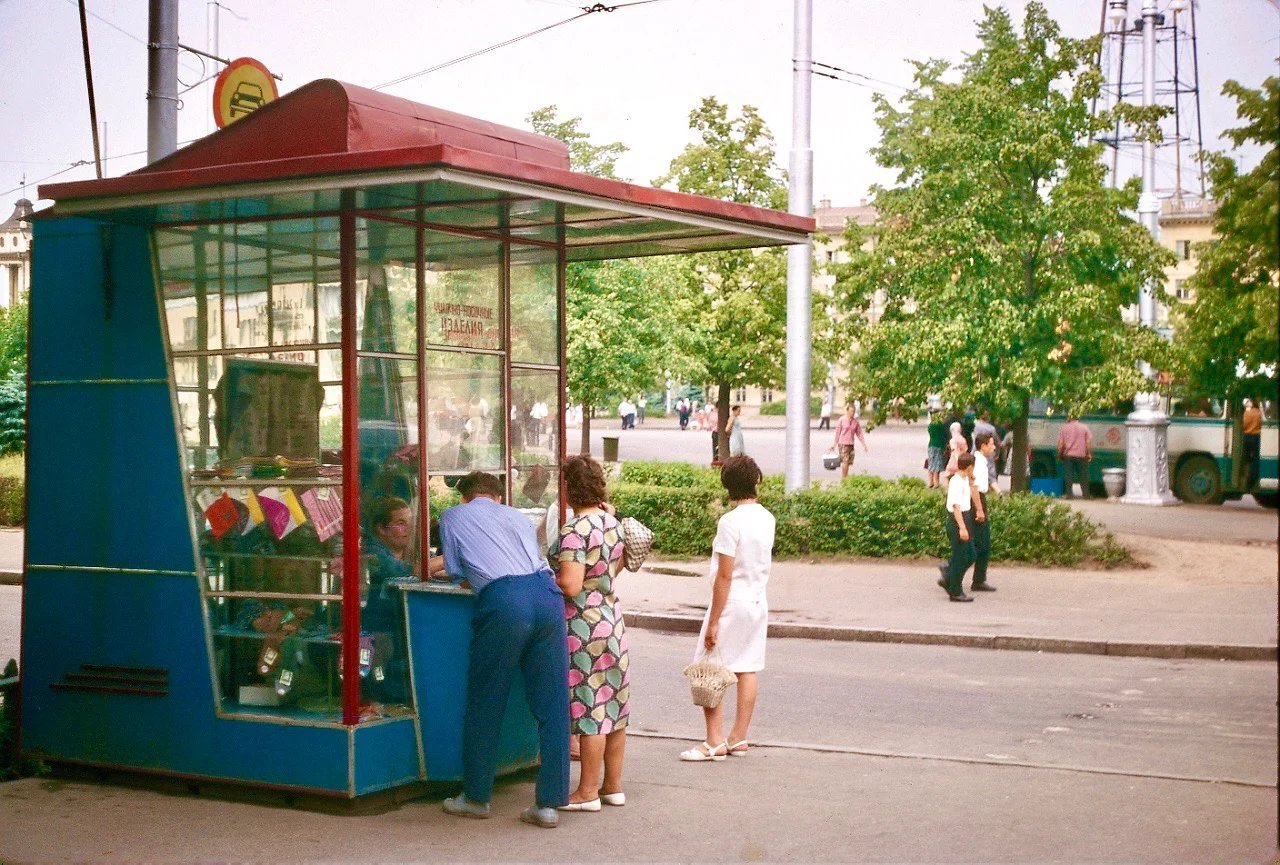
(611, 449)
(1113, 480)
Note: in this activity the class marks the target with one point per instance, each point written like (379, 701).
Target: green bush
(657, 474)
(864, 516)
(12, 487)
(778, 408)
(13, 412)
(683, 519)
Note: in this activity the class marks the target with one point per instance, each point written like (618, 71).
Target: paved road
(1143, 716)
(923, 755)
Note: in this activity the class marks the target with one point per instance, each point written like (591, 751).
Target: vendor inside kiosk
(258, 367)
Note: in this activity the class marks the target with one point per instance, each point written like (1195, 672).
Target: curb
(1010, 642)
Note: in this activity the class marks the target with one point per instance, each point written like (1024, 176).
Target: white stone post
(1147, 455)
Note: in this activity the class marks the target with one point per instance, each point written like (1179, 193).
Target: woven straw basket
(708, 680)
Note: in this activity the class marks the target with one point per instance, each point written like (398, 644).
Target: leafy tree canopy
(741, 296)
(625, 317)
(1227, 342)
(1002, 257)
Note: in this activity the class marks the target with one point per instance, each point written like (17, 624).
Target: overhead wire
(586, 10)
(857, 75)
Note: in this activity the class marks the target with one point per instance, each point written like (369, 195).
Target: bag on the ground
(708, 679)
(637, 540)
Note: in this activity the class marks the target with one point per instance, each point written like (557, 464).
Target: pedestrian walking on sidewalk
(737, 621)
(824, 422)
(984, 483)
(848, 428)
(959, 505)
(733, 429)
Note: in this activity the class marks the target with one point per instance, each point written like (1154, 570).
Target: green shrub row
(862, 517)
(12, 507)
(778, 408)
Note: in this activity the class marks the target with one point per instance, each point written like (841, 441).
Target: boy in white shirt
(959, 502)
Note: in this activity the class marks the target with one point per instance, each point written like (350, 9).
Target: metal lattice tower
(1179, 156)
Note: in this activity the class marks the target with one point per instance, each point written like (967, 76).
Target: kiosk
(240, 356)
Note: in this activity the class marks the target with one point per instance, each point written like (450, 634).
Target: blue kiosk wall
(115, 658)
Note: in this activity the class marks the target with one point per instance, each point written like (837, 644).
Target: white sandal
(705, 752)
(739, 749)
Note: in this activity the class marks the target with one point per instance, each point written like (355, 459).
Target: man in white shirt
(980, 527)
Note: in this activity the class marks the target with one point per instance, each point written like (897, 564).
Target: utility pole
(162, 79)
(1148, 204)
(800, 257)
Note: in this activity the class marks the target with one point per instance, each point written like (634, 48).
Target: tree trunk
(585, 446)
(722, 414)
(1021, 446)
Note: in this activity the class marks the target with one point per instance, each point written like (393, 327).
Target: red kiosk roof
(328, 135)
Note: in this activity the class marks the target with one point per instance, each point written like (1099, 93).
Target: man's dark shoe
(962, 598)
(982, 587)
(943, 582)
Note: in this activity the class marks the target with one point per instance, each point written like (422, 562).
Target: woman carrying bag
(734, 629)
(587, 558)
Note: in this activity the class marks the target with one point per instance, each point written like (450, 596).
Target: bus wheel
(1268, 499)
(1198, 482)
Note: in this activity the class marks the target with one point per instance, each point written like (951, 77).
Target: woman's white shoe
(590, 805)
(618, 798)
(705, 752)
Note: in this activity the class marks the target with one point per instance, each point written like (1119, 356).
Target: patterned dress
(599, 684)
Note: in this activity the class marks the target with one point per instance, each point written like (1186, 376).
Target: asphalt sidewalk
(1190, 599)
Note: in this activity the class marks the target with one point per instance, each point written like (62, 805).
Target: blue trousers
(518, 626)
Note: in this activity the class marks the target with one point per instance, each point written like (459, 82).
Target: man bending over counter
(518, 626)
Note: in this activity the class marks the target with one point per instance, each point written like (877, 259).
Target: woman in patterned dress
(588, 557)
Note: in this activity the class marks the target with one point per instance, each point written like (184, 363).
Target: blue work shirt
(484, 541)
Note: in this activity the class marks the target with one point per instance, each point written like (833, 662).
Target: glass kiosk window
(254, 316)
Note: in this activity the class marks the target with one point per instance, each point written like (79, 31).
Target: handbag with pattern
(637, 540)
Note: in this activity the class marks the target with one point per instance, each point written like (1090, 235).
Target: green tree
(625, 317)
(741, 296)
(1003, 257)
(13, 378)
(13, 338)
(1226, 342)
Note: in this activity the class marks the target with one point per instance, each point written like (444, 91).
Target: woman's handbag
(831, 460)
(708, 679)
(637, 540)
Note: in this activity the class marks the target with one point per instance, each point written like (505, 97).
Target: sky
(632, 74)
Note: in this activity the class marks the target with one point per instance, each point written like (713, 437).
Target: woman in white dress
(737, 622)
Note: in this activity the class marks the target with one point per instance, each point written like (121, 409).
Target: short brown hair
(740, 476)
(383, 509)
(480, 484)
(964, 461)
(584, 482)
